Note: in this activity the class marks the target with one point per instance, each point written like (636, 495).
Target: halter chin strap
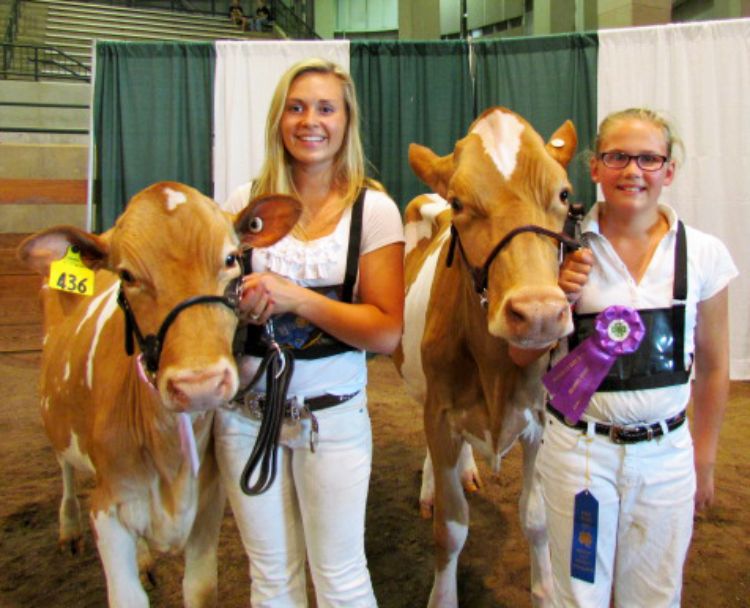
(151, 344)
(479, 275)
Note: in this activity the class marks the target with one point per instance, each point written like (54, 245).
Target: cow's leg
(534, 521)
(118, 552)
(451, 522)
(199, 585)
(71, 533)
(468, 471)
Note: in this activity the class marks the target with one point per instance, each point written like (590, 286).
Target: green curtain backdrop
(410, 92)
(546, 80)
(153, 109)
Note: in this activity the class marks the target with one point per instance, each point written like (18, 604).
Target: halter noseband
(479, 276)
(151, 344)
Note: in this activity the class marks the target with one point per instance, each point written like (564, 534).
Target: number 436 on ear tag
(71, 274)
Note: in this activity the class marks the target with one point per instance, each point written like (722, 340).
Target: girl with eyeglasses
(621, 484)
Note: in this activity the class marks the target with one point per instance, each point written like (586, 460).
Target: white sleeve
(238, 200)
(381, 222)
(716, 267)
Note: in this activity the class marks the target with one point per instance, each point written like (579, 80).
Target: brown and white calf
(104, 416)
(469, 298)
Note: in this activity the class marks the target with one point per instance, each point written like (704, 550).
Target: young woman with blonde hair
(333, 289)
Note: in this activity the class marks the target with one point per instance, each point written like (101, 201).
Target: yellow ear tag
(71, 274)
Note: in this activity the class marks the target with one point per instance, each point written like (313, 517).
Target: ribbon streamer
(187, 442)
(618, 330)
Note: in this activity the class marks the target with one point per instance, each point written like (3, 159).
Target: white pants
(314, 508)
(645, 492)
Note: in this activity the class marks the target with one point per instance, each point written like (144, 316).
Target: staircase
(45, 110)
(72, 27)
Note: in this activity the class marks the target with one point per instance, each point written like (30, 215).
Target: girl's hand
(704, 492)
(574, 273)
(265, 294)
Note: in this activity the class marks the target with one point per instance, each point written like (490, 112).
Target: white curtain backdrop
(246, 76)
(699, 75)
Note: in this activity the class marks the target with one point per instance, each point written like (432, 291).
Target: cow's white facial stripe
(416, 231)
(174, 198)
(501, 137)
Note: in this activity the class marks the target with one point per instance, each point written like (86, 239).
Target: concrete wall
(43, 170)
(419, 19)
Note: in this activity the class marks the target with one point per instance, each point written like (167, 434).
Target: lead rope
(278, 365)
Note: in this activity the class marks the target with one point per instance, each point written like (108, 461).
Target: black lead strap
(278, 365)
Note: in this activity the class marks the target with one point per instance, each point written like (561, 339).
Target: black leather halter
(151, 344)
(479, 275)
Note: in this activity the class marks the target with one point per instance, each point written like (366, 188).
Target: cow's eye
(126, 277)
(564, 196)
(231, 260)
(256, 225)
(456, 205)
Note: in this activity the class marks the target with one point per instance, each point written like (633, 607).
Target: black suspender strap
(679, 294)
(680, 264)
(352, 256)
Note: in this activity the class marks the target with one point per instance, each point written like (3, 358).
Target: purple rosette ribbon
(618, 330)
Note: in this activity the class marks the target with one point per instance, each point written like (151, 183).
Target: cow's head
(500, 177)
(171, 244)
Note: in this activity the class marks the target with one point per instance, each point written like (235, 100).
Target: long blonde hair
(349, 163)
(674, 143)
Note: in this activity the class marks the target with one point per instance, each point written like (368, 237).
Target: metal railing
(290, 23)
(12, 28)
(40, 62)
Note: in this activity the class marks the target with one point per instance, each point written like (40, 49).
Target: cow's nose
(192, 390)
(537, 314)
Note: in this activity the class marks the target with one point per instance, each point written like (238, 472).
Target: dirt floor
(494, 565)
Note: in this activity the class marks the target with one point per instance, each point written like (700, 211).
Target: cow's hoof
(425, 509)
(148, 579)
(71, 546)
(471, 481)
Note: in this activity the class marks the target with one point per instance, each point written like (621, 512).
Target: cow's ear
(267, 219)
(41, 249)
(435, 171)
(562, 145)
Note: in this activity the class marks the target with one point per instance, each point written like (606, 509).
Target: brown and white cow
(104, 416)
(468, 302)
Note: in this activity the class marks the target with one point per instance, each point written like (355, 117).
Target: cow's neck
(155, 430)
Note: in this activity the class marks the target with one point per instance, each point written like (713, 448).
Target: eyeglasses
(620, 160)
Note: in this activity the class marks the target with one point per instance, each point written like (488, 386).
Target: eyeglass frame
(633, 157)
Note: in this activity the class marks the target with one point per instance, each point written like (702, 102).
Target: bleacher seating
(73, 26)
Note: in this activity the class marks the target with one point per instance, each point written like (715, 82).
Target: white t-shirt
(710, 268)
(323, 262)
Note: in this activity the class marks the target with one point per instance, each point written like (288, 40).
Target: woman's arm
(710, 390)
(373, 324)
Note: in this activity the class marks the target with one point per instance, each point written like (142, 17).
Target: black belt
(313, 404)
(624, 434)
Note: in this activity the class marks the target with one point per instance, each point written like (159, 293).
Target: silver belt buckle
(294, 409)
(252, 405)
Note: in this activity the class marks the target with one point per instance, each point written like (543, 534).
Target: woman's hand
(574, 273)
(265, 294)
